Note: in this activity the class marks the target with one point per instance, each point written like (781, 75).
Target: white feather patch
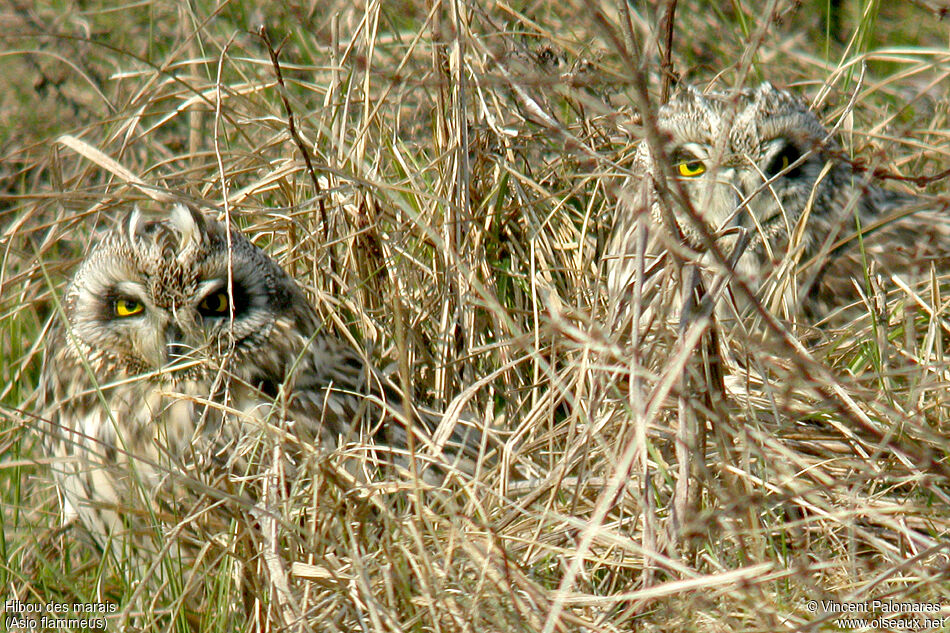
(187, 225)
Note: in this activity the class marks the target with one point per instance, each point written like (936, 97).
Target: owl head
(753, 159)
(179, 294)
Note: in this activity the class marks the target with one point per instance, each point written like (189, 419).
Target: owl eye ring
(126, 307)
(691, 168)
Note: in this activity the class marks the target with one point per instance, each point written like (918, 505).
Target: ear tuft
(190, 225)
(134, 223)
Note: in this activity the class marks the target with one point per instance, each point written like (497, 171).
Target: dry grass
(463, 187)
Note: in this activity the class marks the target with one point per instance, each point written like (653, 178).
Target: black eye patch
(782, 160)
(219, 304)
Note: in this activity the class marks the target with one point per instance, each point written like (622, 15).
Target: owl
(181, 345)
(769, 184)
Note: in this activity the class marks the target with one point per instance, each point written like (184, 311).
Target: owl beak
(727, 174)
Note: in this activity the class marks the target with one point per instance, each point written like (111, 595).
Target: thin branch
(292, 126)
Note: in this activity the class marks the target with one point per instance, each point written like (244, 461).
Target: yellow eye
(691, 169)
(128, 307)
(215, 304)
(785, 162)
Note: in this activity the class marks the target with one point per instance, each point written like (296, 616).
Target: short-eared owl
(184, 344)
(759, 161)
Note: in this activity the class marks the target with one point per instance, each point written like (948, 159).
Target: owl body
(183, 345)
(759, 162)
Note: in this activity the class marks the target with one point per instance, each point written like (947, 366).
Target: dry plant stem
(352, 554)
(691, 460)
(462, 207)
(688, 451)
(667, 25)
(267, 518)
(827, 384)
(635, 403)
(192, 45)
(743, 67)
(405, 385)
(442, 69)
(112, 166)
(619, 476)
(304, 152)
(920, 181)
(224, 187)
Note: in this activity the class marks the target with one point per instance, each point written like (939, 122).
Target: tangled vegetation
(442, 178)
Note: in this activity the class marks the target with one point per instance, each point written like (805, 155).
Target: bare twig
(667, 25)
(295, 134)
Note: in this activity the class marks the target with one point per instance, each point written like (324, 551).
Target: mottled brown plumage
(758, 161)
(186, 354)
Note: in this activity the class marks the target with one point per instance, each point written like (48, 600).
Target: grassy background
(468, 158)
